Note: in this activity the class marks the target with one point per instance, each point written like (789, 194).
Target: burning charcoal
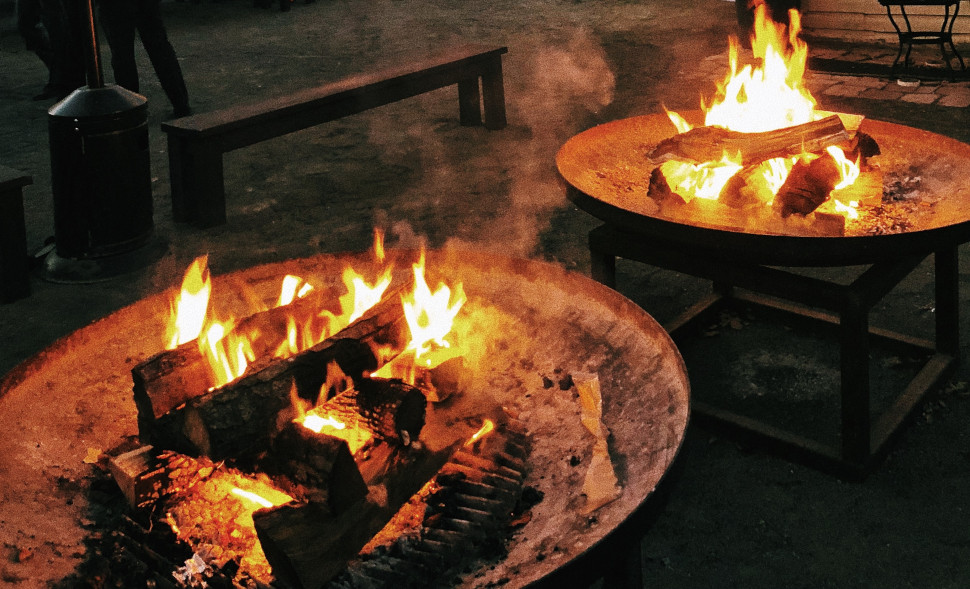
(860, 148)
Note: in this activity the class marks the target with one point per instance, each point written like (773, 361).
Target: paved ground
(738, 517)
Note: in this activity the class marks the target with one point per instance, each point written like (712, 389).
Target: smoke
(553, 85)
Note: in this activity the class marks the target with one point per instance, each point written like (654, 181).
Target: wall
(866, 20)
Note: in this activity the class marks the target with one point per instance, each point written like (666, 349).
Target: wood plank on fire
(391, 409)
(307, 544)
(238, 419)
(172, 377)
(316, 466)
(709, 144)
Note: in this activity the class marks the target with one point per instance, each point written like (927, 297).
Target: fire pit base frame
(864, 441)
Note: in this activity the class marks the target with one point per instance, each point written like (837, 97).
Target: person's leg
(151, 29)
(67, 53)
(118, 19)
(31, 28)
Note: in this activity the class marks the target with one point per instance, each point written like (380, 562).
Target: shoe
(178, 113)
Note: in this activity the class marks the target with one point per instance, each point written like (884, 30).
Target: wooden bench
(14, 281)
(196, 143)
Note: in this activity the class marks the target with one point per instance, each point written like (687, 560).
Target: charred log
(807, 186)
(308, 545)
(169, 379)
(708, 144)
(239, 419)
(391, 409)
(321, 467)
(467, 516)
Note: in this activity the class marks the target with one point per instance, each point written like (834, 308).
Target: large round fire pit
(539, 324)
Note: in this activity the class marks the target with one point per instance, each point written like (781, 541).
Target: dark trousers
(53, 30)
(120, 20)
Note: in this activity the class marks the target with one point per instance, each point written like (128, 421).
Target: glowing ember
(257, 499)
(486, 428)
(316, 423)
(751, 100)
(354, 434)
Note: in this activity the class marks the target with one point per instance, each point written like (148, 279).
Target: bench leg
(198, 194)
(14, 280)
(469, 102)
(493, 95)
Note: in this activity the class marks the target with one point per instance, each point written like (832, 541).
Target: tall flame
(190, 305)
(430, 315)
(755, 99)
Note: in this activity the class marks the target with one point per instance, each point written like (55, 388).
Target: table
(943, 37)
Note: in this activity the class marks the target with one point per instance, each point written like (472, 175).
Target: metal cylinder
(100, 172)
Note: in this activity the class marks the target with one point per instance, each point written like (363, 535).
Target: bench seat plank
(197, 142)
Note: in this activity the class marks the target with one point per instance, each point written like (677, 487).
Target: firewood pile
(810, 182)
(260, 496)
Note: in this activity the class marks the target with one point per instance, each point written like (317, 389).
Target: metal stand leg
(864, 441)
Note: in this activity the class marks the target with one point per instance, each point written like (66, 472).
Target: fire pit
(764, 179)
(537, 327)
(606, 176)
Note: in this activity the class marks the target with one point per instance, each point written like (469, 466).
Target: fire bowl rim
(602, 552)
(759, 248)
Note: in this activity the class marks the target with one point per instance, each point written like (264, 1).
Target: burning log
(172, 377)
(321, 465)
(391, 409)
(307, 544)
(807, 186)
(709, 144)
(465, 514)
(239, 419)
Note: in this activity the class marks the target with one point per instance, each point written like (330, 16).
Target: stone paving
(942, 92)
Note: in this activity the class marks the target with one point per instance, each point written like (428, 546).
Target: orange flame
(190, 305)
(487, 427)
(756, 99)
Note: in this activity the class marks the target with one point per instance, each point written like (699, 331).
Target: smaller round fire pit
(608, 175)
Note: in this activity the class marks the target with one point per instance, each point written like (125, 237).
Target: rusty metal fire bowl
(532, 319)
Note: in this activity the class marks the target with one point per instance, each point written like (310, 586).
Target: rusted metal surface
(532, 320)
(607, 175)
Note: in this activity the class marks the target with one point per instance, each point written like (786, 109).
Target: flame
(430, 315)
(190, 305)
(756, 99)
(259, 499)
(229, 352)
(704, 180)
(487, 427)
(355, 434)
(293, 288)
